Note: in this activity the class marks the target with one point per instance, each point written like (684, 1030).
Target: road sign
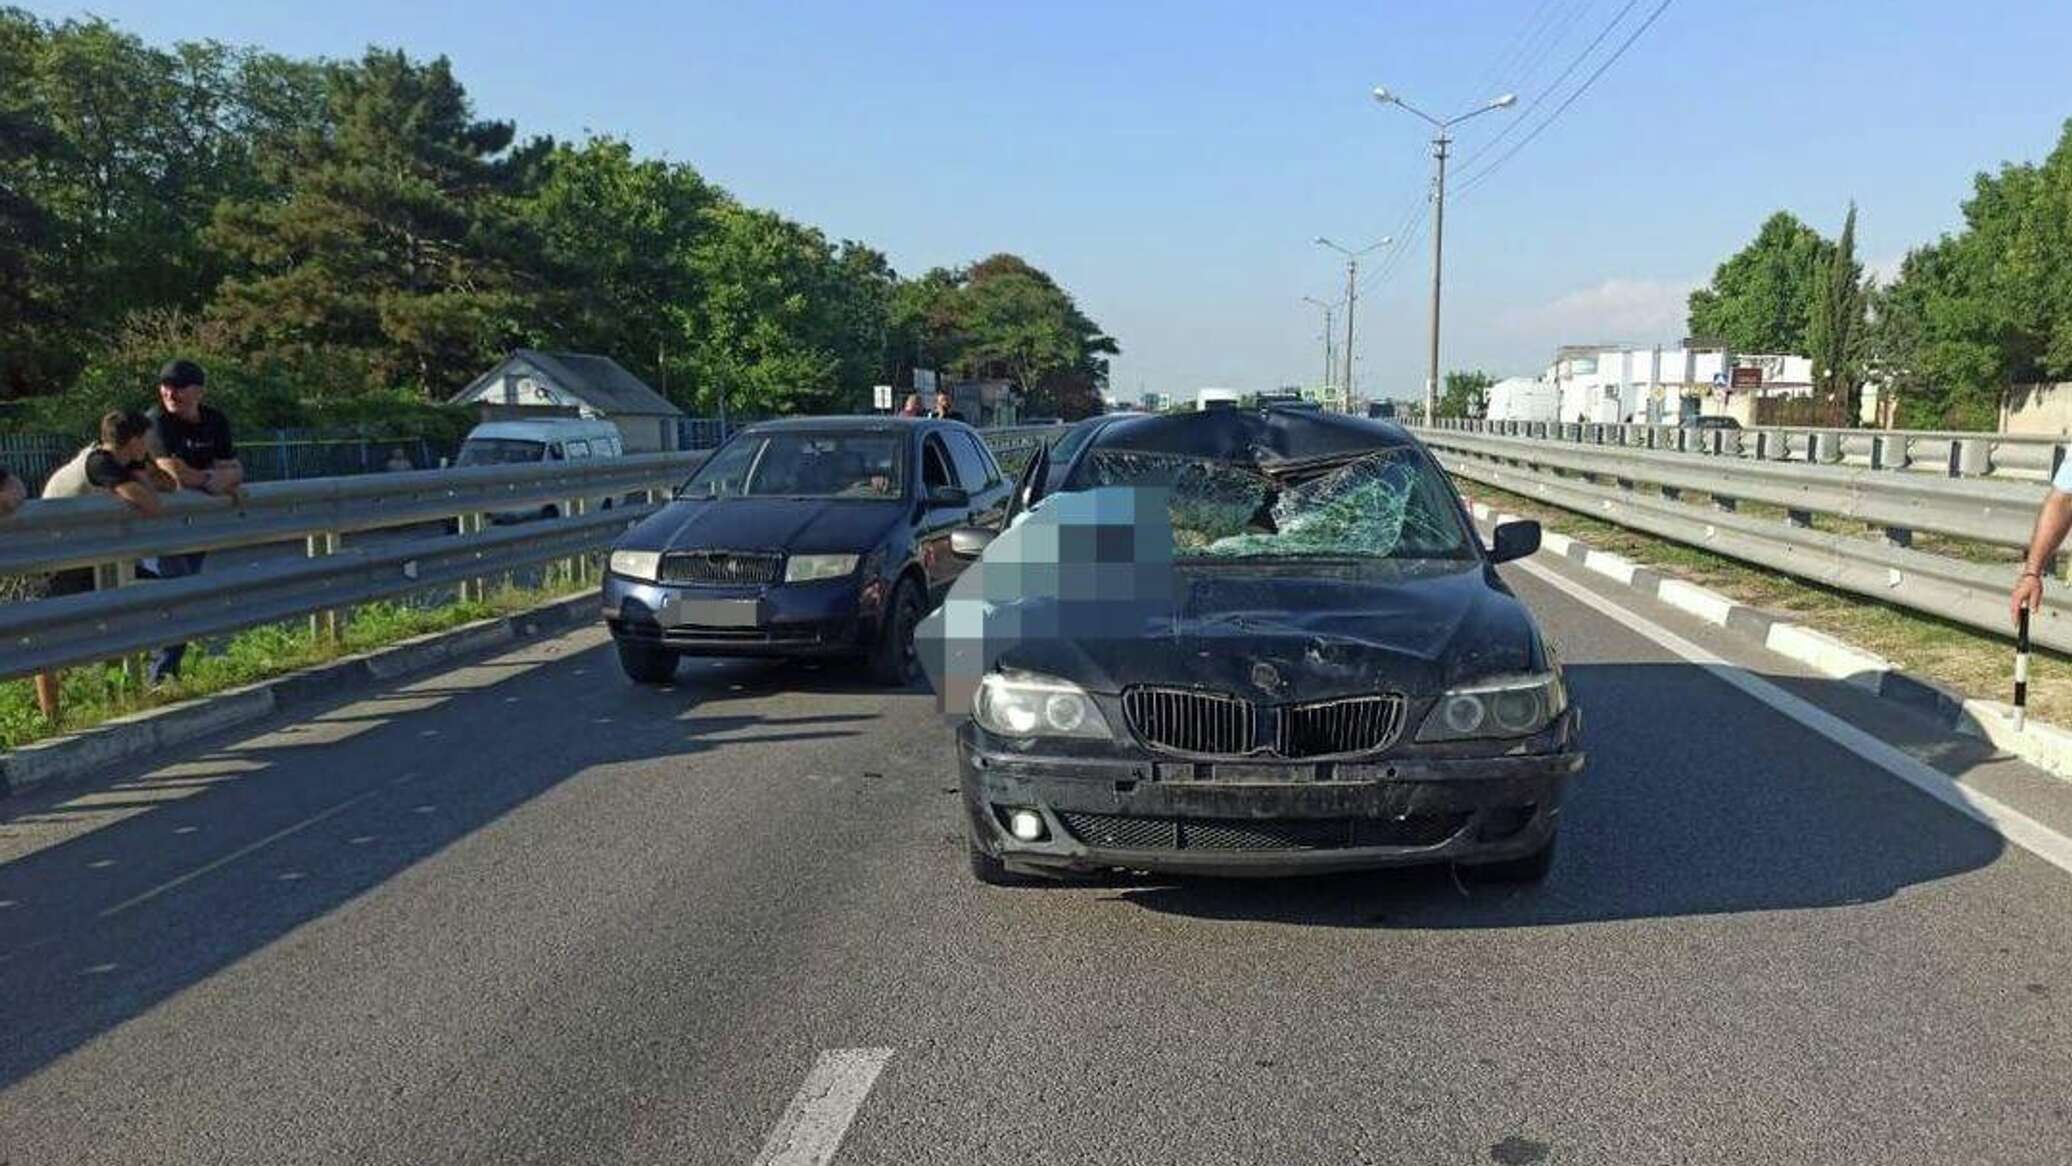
(1748, 378)
(881, 396)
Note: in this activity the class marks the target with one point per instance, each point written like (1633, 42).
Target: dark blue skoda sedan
(809, 537)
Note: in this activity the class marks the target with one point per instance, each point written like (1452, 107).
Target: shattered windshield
(1387, 504)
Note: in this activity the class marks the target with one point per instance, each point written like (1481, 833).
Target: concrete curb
(2047, 747)
(110, 743)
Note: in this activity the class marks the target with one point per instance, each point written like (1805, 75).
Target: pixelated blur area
(1075, 571)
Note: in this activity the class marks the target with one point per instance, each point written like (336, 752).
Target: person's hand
(2028, 592)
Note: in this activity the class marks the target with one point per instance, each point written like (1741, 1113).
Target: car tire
(1530, 868)
(993, 872)
(894, 659)
(647, 663)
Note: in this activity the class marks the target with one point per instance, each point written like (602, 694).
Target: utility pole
(1352, 296)
(1439, 143)
(1330, 330)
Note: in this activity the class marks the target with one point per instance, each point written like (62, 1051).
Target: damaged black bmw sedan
(1249, 643)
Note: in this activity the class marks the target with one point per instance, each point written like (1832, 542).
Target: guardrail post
(1898, 536)
(472, 589)
(1970, 457)
(323, 625)
(1824, 448)
(1729, 442)
(1722, 502)
(1888, 453)
(1799, 518)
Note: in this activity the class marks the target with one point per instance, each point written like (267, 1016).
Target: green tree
(1761, 299)
(617, 238)
(1465, 393)
(1988, 306)
(1834, 335)
(397, 249)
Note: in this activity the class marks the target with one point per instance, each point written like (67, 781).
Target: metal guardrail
(1998, 512)
(1944, 452)
(56, 633)
(1603, 483)
(77, 532)
(99, 532)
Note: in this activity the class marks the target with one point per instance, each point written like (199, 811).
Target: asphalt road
(525, 912)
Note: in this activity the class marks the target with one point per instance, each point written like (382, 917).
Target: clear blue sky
(1171, 162)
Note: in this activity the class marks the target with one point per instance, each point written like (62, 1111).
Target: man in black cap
(191, 442)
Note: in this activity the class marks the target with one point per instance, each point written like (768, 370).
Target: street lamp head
(1505, 102)
(1382, 95)
(1324, 241)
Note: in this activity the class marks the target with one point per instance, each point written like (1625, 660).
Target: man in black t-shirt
(191, 442)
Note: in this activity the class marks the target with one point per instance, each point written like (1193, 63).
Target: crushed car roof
(1262, 437)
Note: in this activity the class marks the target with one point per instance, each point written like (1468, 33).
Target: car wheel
(1530, 868)
(646, 663)
(894, 660)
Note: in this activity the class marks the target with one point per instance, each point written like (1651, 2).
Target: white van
(549, 439)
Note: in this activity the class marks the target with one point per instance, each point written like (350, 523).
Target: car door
(980, 475)
(932, 529)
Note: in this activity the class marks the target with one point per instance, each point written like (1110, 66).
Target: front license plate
(711, 613)
(1243, 774)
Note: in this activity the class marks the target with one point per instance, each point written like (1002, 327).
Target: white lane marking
(2013, 825)
(812, 1127)
(240, 852)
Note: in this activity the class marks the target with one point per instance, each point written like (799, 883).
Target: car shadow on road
(118, 893)
(1696, 801)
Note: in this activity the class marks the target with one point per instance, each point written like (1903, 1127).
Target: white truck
(1523, 399)
(1216, 399)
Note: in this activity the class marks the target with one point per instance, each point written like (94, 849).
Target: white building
(1616, 383)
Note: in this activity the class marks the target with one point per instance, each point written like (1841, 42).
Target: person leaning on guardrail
(191, 442)
(12, 493)
(2053, 521)
(118, 464)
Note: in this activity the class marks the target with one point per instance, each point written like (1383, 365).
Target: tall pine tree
(396, 253)
(1834, 334)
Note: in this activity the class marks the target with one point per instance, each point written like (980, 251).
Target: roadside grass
(1967, 660)
(95, 693)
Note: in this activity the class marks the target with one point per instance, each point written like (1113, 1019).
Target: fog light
(1026, 825)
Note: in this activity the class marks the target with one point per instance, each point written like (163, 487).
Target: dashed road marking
(240, 852)
(813, 1126)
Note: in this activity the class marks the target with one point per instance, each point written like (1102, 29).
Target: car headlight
(1514, 706)
(806, 568)
(636, 564)
(1023, 704)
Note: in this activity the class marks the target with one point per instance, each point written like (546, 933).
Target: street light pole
(1439, 143)
(1329, 363)
(1352, 299)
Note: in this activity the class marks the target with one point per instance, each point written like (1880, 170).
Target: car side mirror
(948, 496)
(1514, 540)
(969, 542)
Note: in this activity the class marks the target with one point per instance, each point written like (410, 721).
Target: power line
(1477, 179)
(1526, 114)
(1509, 58)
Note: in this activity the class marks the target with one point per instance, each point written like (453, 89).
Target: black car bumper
(1119, 812)
(833, 617)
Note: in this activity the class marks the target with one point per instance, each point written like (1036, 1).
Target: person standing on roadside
(191, 442)
(118, 464)
(12, 492)
(912, 407)
(2053, 520)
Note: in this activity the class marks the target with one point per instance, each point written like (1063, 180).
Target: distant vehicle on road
(1262, 642)
(1216, 398)
(1523, 399)
(807, 537)
(1044, 421)
(547, 439)
(1695, 422)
